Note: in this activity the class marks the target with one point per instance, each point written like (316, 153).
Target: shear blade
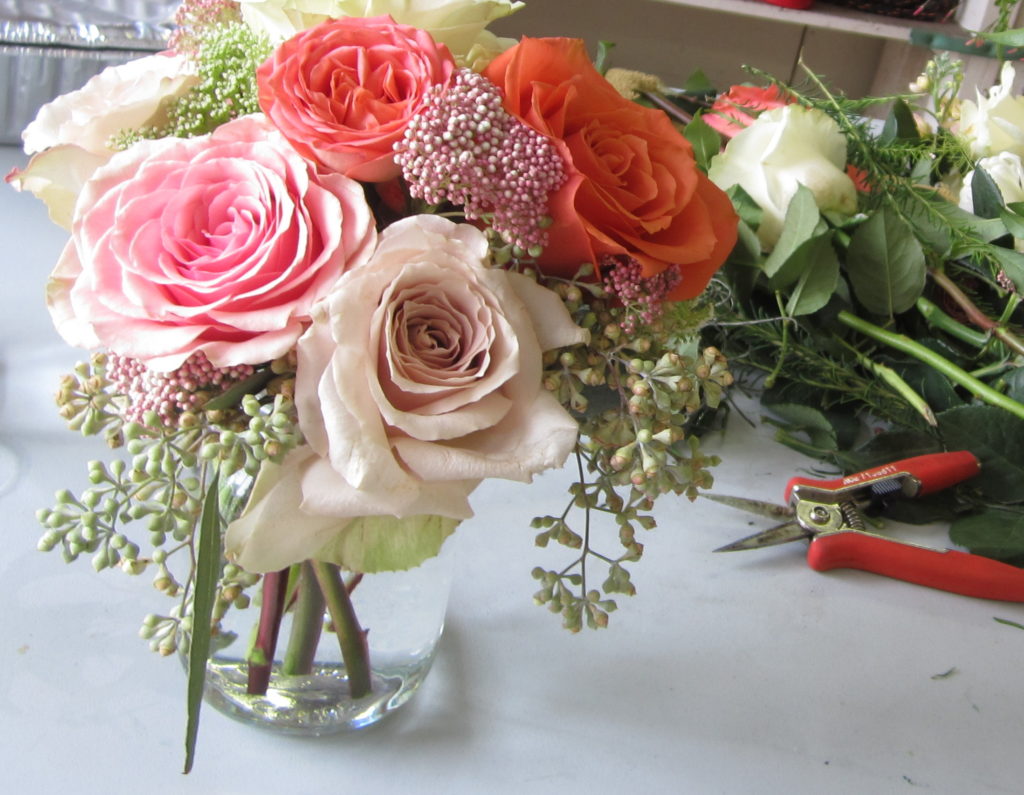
(770, 510)
(780, 534)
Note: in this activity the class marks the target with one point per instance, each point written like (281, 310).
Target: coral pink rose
(344, 91)
(633, 188)
(737, 108)
(420, 376)
(220, 244)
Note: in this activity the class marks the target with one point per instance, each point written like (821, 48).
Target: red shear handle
(947, 570)
(935, 472)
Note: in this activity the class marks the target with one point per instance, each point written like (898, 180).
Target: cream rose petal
(459, 24)
(56, 176)
(273, 532)
(530, 439)
(784, 148)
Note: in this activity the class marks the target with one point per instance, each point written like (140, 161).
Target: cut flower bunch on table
(339, 262)
(874, 298)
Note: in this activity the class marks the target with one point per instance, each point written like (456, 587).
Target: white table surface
(743, 673)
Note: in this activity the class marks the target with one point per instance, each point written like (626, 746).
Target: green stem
(947, 368)
(940, 320)
(351, 636)
(769, 382)
(307, 623)
(893, 379)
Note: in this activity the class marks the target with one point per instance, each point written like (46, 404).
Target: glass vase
(307, 687)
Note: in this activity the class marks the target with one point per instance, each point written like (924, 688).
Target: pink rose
(420, 376)
(344, 91)
(220, 243)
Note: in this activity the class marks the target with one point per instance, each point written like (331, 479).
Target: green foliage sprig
(905, 314)
(159, 485)
(640, 398)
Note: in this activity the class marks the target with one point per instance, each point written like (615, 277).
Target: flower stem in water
(307, 623)
(351, 636)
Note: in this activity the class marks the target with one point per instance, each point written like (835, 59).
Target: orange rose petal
(696, 275)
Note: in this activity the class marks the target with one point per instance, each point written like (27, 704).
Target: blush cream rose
(220, 243)
(420, 376)
(344, 91)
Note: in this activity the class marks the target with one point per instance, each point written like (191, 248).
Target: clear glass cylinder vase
(402, 614)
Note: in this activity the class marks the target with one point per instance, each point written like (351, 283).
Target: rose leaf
(705, 141)
(994, 532)
(886, 265)
(373, 544)
(818, 281)
(997, 439)
(988, 201)
(1012, 264)
(801, 224)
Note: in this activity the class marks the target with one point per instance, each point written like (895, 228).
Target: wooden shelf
(827, 17)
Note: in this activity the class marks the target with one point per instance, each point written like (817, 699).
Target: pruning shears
(829, 514)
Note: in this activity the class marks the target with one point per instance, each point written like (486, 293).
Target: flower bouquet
(337, 263)
(874, 298)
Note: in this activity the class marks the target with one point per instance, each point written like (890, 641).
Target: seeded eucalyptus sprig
(639, 388)
(159, 482)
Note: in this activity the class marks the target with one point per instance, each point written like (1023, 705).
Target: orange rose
(633, 186)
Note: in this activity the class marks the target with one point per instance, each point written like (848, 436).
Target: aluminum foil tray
(50, 48)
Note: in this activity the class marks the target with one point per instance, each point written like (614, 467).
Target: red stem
(261, 658)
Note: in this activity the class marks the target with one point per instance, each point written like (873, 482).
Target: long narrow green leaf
(207, 571)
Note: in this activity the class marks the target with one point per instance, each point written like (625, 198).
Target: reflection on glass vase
(303, 683)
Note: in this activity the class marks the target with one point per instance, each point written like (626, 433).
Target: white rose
(420, 376)
(995, 123)
(783, 149)
(70, 136)
(460, 24)
(1007, 171)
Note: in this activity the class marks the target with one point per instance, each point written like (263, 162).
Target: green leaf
(801, 224)
(818, 281)
(698, 83)
(208, 559)
(705, 141)
(748, 210)
(994, 532)
(372, 544)
(1008, 38)
(890, 446)
(1012, 264)
(604, 49)
(1012, 217)
(886, 265)
(233, 395)
(747, 250)
(796, 418)
(997, 439)
(899, 124)
(1015, 384)
(988, 200)
(933, 218)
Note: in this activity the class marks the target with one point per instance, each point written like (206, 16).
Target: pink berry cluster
(197, 15)
(173, 393)
(643, 296)
(464, 148)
